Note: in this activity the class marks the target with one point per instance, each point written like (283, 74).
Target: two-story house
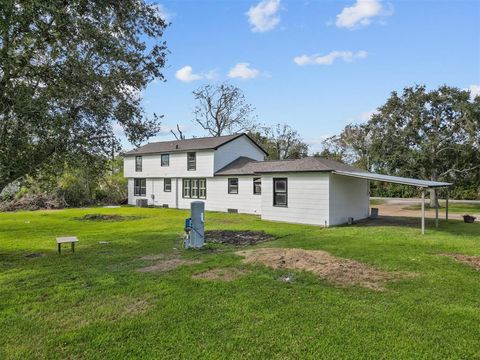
(230, 174)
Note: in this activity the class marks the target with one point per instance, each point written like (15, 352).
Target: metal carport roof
(393, 179)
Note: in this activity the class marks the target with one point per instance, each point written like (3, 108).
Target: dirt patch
(470, 260)
(167, 265)
(221, 274)
(337, 270)
(233, 237)
(34, 255)
(106, 217)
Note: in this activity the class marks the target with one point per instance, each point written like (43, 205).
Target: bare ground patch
(470, 260)
(234, 237)
(167, 265)
(106, 217)
(341, 271)
(221, 274)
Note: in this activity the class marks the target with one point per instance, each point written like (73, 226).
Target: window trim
(135, 187)
(165, 185)
(137, 167)
(161, 160)
(198, 188)
(194, 161)
(275, 192)
(258, 179)
(228, 186)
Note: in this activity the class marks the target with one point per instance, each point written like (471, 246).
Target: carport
(424, 185)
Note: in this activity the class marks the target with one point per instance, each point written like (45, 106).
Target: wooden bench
(66, 240)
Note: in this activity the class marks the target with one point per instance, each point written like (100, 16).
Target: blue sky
(315, 65)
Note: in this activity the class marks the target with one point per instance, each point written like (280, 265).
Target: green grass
(94, 305)
(377, 201)
(461, 208)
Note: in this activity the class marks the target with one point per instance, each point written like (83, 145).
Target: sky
(314, 65)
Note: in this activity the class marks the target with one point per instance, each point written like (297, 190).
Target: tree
(179, 135)
(350, 147)
(223, 110)
(433, 135)
(69, 72)
(281, 142)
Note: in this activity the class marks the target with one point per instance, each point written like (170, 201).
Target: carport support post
(423, 211)
(436, 208)
(446, 206)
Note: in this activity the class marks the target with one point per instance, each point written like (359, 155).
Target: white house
(230, 174)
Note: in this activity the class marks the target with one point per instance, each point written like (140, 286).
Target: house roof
(247, 166)
(205, 143)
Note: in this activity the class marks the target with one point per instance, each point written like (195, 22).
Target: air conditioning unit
(142, 202)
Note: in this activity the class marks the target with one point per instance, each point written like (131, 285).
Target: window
(191, 161)
(195, 188)
(280, 192)
(140, 187)
(138, 163)
(167, 185)
(257, 186)
(202, 188)
(165, 160)
(186, 188)
(233, 186)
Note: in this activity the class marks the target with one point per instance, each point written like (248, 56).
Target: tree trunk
(433, 194)
(433, 199)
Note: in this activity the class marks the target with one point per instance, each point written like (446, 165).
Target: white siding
(241, 146)
(218, 198)
(308, 198)
(349, 197)
(178, 166)
(155, 188)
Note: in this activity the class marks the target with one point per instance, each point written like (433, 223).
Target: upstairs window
(165, 160)
(233, 186)
(140, 187)
(138, 163)
(167, 185)
(280, 192)
(257, 186)
(191, 161)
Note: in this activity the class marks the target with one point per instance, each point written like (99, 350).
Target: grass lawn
(94, 304)
(461, 208)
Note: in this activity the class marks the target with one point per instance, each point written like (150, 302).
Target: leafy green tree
(69, 72)
(433, 135)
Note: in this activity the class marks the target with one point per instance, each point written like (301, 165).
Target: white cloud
(243, 71)
(163, 12)
(362, 117)
(361, 13)
(474, 91)
(186, 74)
(329, 59)
(263, 17)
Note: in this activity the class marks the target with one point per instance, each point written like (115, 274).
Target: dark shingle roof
(204, 143)
(247, 166)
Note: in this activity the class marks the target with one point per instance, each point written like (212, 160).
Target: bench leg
(59, 248)
(73, 247)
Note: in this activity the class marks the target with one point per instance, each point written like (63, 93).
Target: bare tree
(180, 135)
(223, 110)
(281, 142)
